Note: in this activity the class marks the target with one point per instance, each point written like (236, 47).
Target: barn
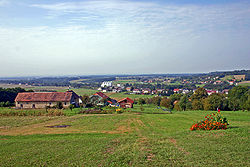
(43, 99)
(126, 103)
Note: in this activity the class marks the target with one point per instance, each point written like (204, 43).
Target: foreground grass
(126, 139)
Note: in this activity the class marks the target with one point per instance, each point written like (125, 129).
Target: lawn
(129, 139)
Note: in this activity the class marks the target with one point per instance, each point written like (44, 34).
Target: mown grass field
(127, 139)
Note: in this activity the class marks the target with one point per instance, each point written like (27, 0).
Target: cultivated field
(127, 139)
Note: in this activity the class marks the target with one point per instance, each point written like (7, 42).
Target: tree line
(237, 99)
(8, 95)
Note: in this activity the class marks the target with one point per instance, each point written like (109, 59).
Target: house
(106, 84)
(126, 103)
(101, 99)
(225, 91)
(185, 91)
(43, 99)
(128, 89)
(177, 90)
(230, 82)
(136, 91)
(146, 91)
(209, 92)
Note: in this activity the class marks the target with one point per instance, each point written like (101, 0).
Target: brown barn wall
(39, 104)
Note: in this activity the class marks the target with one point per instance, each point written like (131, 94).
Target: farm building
(101, 99)
(126, 103)
(43, 99)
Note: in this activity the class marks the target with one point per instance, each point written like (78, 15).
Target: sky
(88, 37)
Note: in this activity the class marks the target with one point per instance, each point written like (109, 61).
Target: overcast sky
(63, 37)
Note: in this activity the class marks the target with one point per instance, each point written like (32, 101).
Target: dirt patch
(4, 127)
(173, 141)
(140, 122)
(122, 128)
(58, 126)
(150, 156)
(3, 139)
(217, 135)
(42, 128)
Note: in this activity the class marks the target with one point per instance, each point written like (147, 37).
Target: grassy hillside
(128, 139)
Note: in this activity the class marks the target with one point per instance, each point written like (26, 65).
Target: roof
(45, 96)
(128, 100)
(101, 95)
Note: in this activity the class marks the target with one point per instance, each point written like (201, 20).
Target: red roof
(45, 96)
(127, 100)
(101, 94)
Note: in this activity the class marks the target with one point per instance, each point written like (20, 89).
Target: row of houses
(154, 92)
(51, 99)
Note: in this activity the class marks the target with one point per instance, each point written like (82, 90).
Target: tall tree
(184, 102)
(199, 94)
(213, 102)
(238, 96)
(165, 102)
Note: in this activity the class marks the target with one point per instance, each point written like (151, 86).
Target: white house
(106, 84)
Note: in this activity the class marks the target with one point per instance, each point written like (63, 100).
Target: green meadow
(133, 138)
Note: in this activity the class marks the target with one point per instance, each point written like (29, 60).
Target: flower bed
(211, 122)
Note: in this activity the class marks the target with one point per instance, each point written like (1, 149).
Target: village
(124, 91)
(122, 94)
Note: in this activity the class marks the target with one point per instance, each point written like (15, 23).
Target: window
(65, 103)
(50, 103)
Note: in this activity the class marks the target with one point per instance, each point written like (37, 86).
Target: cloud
(94, 37)
(4, 2)
(151, 16)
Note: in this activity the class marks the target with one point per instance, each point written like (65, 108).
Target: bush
(5, 104)
(100, 111)
(59, 105)
(177, 107)
(33, 113)
(211, 122)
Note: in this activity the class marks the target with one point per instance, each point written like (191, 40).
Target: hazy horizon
(102, 37)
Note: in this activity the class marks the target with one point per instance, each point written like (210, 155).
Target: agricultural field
(129, 81)
(227, 78)
(133, 138)
(245, 83)
(124, 95)
(79, 91)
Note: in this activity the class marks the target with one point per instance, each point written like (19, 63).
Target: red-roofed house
(102, 95)
(209, 92)
(43, 99)
(177, 90)
(126, 103)
(101, 99)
